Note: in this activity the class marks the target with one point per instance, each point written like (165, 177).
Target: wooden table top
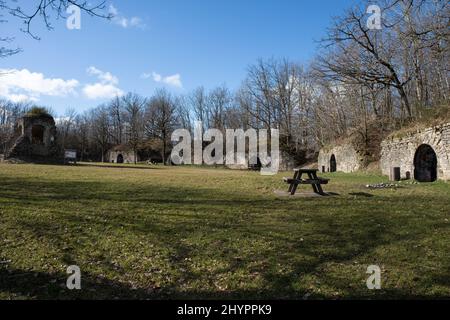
(305, 170)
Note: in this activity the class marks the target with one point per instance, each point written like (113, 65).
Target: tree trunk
(405, 100)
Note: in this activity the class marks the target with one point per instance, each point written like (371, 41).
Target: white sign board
(70, 154)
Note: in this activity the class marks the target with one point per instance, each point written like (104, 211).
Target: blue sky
(179, 45)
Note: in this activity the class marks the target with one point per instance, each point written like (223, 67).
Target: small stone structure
(122, 154)
(287, 163)
(343, 157)
(423, 154)
(34, 138)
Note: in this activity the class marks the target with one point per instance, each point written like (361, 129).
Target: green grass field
(158, 233)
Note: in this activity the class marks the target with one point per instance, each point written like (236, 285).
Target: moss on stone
(38, 112)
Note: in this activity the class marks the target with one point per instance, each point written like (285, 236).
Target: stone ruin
(422, 154)
(34, 139)
(343, 157)
(122, 154)
(354, 152)
(287, 163)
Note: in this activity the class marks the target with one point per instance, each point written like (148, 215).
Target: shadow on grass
(26, 284)
(361, 194)
(118, 166)
(41, 192)
(21, 284)
(257, 235)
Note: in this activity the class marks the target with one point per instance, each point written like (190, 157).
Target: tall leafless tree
(134, 112)
(161, 119)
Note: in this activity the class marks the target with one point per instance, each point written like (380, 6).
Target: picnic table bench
(313, 180)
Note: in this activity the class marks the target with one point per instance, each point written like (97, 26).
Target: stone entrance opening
(19, 130)
(37, 134)
(120, 158)
(425, 164)
(333, 164)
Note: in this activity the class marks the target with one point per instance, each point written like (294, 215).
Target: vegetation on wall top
(38, 112)
(431, 117)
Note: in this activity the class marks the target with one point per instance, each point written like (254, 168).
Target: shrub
(38, 112)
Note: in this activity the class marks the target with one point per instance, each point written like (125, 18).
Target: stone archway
(333, 163)
(120, 158)
(425, 164)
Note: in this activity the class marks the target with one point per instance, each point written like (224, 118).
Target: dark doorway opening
(37, 134)
(255, 166)
(19, 131)
(120, 158)
(425, 164)
(333, 164)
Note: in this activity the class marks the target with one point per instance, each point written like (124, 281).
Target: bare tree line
(392, 75)
(142, 124)
(362, 80)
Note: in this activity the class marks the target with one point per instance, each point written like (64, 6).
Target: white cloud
(101, 91)
(136, 22)
(106, 88)
(156, 77)
(113, 10)
(123, 21)
(174, 80)
(146, 75)
(103, 76)
(24, 85)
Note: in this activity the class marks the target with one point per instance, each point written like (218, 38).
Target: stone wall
(400, 151)
(128, 156)
(287, 163)
(23, 144)
(347, 158)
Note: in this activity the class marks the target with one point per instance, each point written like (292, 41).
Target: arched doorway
(255, 166)
(120, 158)
(19, 130)
(425, 164)
(37, 134)
(333, 164)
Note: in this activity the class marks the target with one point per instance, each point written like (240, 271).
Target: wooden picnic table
(312, 179)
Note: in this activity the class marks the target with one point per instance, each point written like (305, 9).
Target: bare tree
(43, 9)
(65, 125)
(100, 129)
(117, 114)
(360, 55)
(398, 56)
(219, 102)
(82, 133)
(160, 119)
(10, 112)
(184, 112)
(259, 87)
(277, 94)
(199, 103)
(133, 107)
